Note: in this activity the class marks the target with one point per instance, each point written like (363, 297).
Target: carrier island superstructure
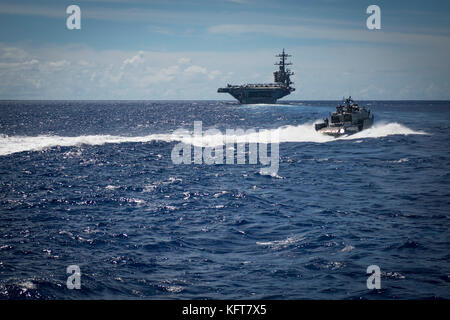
(267, 93)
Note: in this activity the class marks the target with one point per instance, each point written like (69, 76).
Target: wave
(14, 144)
(281, 244)
(381, 129)
(301, 133)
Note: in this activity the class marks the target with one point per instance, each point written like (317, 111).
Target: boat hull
(337, 131)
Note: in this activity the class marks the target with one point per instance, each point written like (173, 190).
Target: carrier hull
(246, 95)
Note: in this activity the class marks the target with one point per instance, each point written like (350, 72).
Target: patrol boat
(267, 93)
(347, 119)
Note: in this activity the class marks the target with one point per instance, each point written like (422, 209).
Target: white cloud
(84, 63)
(163, 75)
(136, 59)
(12, 54)
(59, 64)
(19, 65)
(214, 74)
(195, 69)
(184, 60)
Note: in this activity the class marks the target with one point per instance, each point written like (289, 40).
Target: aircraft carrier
(267, 92)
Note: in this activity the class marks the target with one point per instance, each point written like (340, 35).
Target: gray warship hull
(346, 129)
(346, 120)
(255, 95)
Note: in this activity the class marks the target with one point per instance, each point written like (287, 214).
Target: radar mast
(283, 74)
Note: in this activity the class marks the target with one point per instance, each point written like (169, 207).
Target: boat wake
(301, 133)
(381, 129)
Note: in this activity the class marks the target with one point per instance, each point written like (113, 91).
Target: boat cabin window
(347, 117)
(335, 119)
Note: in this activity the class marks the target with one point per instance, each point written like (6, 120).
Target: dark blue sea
(92, 183)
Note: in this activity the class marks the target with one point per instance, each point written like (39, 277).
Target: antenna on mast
(283, 74)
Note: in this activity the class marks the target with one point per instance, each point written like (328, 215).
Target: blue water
(92, 184)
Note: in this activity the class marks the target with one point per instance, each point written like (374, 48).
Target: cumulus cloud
(59, 64)
(19, 65)
(134, 60)
(214, 74)
(184, 60)
(195, 69)
(12, 54)
(84, 73)
(163, 75)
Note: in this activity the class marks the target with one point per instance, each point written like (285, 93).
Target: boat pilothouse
(349, 118)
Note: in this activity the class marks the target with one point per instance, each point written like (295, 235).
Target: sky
(168, 49)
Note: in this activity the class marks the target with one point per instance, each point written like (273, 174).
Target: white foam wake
(301, 133)
(379, 130)
(9, 145)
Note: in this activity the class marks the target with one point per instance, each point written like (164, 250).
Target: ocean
(93, 184)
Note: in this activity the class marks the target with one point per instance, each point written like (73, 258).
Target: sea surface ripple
(92, 183)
